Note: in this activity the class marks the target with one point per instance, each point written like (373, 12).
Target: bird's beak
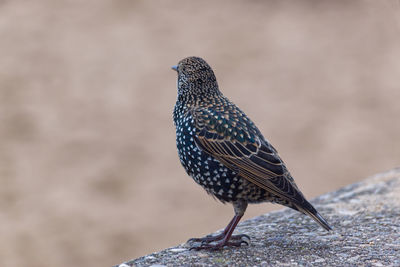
(175, 67)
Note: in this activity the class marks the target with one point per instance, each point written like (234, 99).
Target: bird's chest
(207, 171)
(189, 154)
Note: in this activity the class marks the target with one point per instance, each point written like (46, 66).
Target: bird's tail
(309, 210)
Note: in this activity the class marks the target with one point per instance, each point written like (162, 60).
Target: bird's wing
(235, 141)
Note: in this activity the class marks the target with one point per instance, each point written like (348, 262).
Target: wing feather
(243, 148)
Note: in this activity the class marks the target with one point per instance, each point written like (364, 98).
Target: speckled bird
(225, 153)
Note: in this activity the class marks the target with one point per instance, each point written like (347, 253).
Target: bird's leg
(211, 238)
(225, 238)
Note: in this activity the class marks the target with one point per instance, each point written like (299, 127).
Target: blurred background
(89, 174)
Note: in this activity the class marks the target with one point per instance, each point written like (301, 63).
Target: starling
(225, 153)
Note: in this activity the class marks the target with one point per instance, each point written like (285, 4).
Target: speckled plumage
(224, 152)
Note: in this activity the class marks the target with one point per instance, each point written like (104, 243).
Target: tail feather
(309, 210)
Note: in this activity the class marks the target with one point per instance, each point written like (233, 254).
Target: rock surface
(365, 217)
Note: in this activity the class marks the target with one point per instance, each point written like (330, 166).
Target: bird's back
(220, 120)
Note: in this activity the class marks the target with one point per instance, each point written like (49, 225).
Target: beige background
(88, 166)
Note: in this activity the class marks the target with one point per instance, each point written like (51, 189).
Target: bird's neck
(186, 102)
(199, 100)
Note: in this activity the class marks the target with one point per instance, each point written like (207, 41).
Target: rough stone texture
(366, 221)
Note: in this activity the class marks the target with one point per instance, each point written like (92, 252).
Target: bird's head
(196, 79)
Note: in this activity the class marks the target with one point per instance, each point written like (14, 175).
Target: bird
(221, 148)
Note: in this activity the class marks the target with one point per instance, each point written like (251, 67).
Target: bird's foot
(207, 239)
(209, 242)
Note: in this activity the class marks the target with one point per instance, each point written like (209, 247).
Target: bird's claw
(206, 239)
(208, 242)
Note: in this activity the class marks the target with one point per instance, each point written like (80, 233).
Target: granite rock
(365, 217)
